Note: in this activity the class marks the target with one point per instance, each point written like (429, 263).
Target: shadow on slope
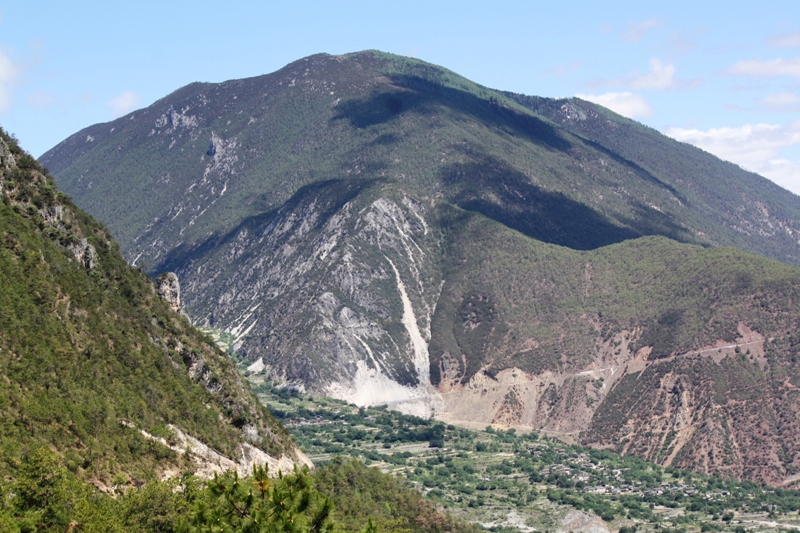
(420, 95)
(490, 187)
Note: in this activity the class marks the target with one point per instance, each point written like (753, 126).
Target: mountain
(208, 157)
(96, 365)
(382, 230)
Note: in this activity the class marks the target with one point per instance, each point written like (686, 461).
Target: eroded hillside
(362, 292)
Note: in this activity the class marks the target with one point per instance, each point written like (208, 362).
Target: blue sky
(722, 75)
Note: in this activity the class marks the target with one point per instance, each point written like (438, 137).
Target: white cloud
(782, 102)
(626, 104)
(661, 76)
(760, 68)
(124, 103)
(8, 71)
(756, 147)
(784, 172)
(637, 30)
(791, 40)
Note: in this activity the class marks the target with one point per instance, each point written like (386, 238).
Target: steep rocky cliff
(335, 294)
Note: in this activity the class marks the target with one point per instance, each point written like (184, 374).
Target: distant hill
(96, 365)
(382, 230)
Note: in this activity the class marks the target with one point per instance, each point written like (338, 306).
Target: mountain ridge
(96, 365)
(398, 95)
(617, 134)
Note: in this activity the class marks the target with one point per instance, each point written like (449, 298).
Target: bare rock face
(7, 160)
(84, 253)
(210, 462)
(169, 288)
(572, 112)
(351, 265)
(577, 521)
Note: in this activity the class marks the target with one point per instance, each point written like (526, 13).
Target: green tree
(44, 492)
(288, 504)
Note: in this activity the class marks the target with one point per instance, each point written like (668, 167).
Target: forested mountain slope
(95, 365)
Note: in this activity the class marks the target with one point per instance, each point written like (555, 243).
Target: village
(500, 473)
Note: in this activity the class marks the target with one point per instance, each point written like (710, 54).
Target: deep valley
(364, 293)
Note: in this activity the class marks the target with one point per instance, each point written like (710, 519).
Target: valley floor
(526, 481)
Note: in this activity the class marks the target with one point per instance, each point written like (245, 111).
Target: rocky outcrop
(7, 161)
(199, 372)
(84, 253)
(169, 288)
(209, 462)
(33, 193)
